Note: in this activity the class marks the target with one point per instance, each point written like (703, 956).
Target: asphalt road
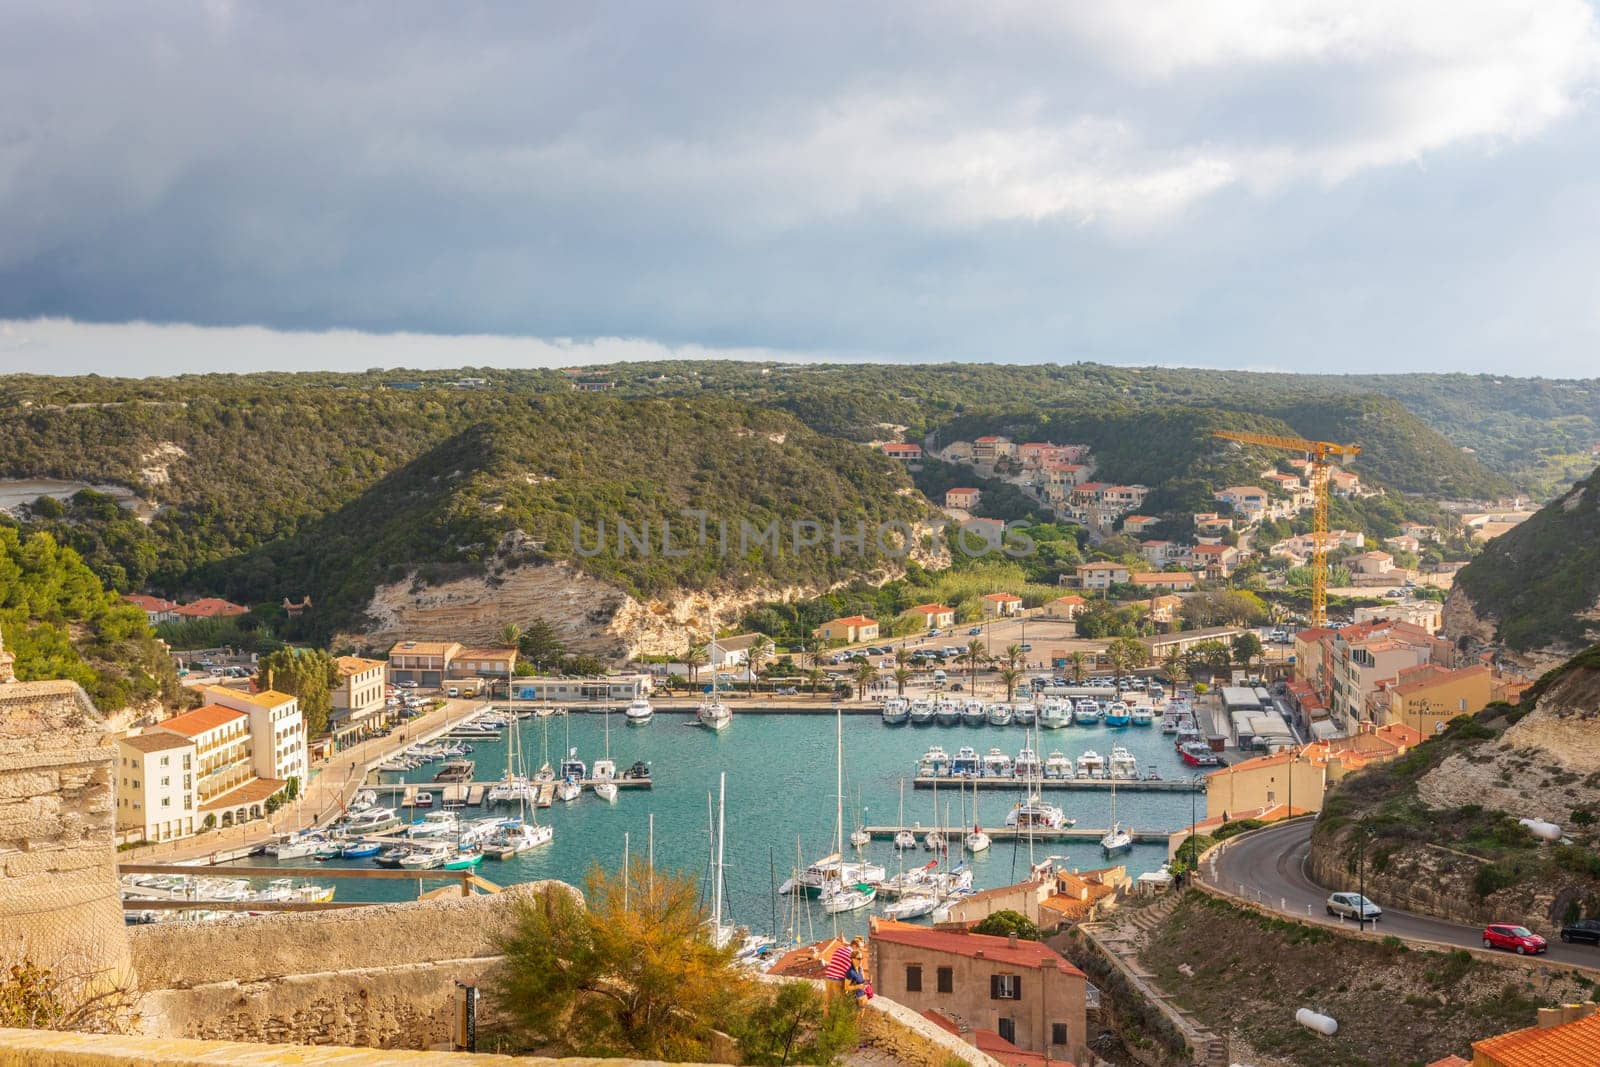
(1269, 867)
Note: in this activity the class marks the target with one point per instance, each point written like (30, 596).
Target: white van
(940, 678)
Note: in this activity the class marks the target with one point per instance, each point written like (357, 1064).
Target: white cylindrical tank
(1544, 831)
(1315, 1020)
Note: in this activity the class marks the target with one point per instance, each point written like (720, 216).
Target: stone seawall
(383, 976)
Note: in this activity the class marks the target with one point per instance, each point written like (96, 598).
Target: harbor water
(780, 803)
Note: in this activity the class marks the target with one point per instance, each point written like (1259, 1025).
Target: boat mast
(838, 818)
(722, 785)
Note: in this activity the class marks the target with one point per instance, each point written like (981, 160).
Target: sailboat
(1034, 813)
(903, 838)
(840, 895)
(1116, 839)
(859, 836)
(977, 840)
(934, 840)
(604, 772)
(513, 787)
(713, 713)
(723, 934)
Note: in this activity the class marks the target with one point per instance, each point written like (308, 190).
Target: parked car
(975, 631)
(788, 691)
(1354, 906)
(1518, 939)
(935, 632)
(453, 692)
(1584, 930)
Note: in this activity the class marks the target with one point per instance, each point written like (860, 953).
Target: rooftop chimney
(1011, 939)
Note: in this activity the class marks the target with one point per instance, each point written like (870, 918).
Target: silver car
(1354, 906)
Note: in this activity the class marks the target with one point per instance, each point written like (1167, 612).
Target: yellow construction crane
(1318, 452)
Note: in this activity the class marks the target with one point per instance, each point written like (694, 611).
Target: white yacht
(568, 790)
(435, 824)
(1116, 840)
(922, 712)
(831, 869)
(1091, 764)
(1123, 764)
(977, 840)
(933, 840)
(999, 714)
(896, 711)
(973, 714)
(911, 906)
(1027, 764)
(1054, 714)
(1035, 814)
(838, 897)
(1058, 765)
(996, 764)
(1143, 715)
(639, 712)
(714, 715)
(1087, 713)
(935, 761)
(520, 837)
(905, 839)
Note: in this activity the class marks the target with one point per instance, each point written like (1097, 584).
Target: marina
(1012, 833)
(1185, 784)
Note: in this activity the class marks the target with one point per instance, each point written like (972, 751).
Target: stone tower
(59, 899)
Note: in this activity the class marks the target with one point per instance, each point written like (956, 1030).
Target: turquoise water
(780, 790)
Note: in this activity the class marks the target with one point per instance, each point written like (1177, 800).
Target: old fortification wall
(382, 976)
(58, 889)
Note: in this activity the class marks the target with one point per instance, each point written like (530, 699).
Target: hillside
(59, 622)
(1537, 586)
(1443, 819)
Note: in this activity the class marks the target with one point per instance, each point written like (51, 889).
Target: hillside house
(1421, 531)
(426, 663)
(1160, 646)
(991, 448)
(907, 452)
(934, 616)
(849, 629)
(1177, 580)
(1287, 482)
(1371, 564)
(1160, 553)
(1124, 497)
(484, 663)
(1248, 501)
(1427, 614)
(962, 498)
(1002, 605)
(1101, 574)
(1216, 561)
(1138, 524)
(1403, 543)
(1209, 523)
(210, 608)
(156, 609)
(1343, 483)
(1065, 607)
(1036, 455)
(1024, 990)
(729, 653)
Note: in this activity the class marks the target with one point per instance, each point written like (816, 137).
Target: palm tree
(1079, 665)
(902, 656)
(1175, 668)
(695, 658)
(973, 656)
(1009, 677)
(865, 674)
(756, 656)
(815, 676)
(1013, 655)
(902, 675)
(511, 635)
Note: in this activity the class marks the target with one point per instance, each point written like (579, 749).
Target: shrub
(1493, 877)
(1006, 922)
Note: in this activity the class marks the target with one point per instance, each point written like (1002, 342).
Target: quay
(1130, 785)
(1011, 833)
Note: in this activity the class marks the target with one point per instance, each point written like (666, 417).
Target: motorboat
(976, 840)
(1169, 722)
(293, 846)
(839, 897)
(604, 770)
(910, 906)
(922, 713)
(934, 840)
(456, 770)
(1054, 714)
(1058, 765)
(1198, 754)
(1027, 764)
(714, 715)
(606, 791)
(1024, 714)
(966, 761)
(996, 764)
(360, 850)
(1087, 713)
(424, 799)
(896, 711)
(947, 713)
(462, 860)
(1035, 814)
(435, 824)
(363, 800)
(1117, 714)
(426, 858)
(391, 857)
(573, 767)
(520, 837)
(639, 712)
(935, 761)
(999, 714)
(640, 770)
(285, 891)
(1091, 764)
(905, 839)
(973, 714)
(1122, 764)
(1143, 715)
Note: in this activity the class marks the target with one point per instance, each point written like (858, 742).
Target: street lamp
(1364, 835)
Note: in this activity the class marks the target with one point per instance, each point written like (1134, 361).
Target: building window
(1008, 1029)
(1005, 987)
(947, 979)
(1058, 1033)
(913, 978)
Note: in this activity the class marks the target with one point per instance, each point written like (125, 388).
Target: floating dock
(1130, 785)
(997, 834)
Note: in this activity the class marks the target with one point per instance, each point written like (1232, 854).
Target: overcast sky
(1285, 184)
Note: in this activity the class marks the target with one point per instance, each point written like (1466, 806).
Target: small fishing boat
(463, 860)
(391, 857)
(1198, 754)
(606, 791)
(424, 800)
(640, 770)
(360, 850)
(896, 711)
(1143, 715)
(922, 713)
(999, 714)
(973, 714)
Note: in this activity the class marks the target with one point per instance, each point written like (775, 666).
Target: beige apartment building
(277, 731)
(1025, 991)
(426, 663)
(221, 740)
(155, 776)
(358, 698)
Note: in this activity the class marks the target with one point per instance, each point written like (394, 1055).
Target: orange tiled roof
(156, 742)
(196, 722)
(1574, 1044)
(149, 603)
(1032, 954)
(210, 607)
(853, 620)
(348, 665)
(933, 609)
(1451, 1061)
(807, 961)
(997, 597)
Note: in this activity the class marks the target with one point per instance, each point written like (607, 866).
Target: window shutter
(1016, 987)
(994, 987)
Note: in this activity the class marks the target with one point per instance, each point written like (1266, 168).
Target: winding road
(1269, 866)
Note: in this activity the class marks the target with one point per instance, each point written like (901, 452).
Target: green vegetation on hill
(1539, 578)
(60, 622)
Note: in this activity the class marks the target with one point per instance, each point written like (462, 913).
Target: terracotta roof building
(1568, 1036)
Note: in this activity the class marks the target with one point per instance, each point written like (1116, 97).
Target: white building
(277, 730)
(155, 779)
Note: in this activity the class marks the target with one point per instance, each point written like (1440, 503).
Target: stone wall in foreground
(383, 976)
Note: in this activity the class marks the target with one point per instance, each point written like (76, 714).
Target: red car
(1518, 939)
